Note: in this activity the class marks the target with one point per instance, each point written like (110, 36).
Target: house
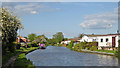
(21, 39)
(107, 42)
(88, 38)
(65, 42)
(75, 40)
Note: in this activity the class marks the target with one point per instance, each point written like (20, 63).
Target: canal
(61, 56)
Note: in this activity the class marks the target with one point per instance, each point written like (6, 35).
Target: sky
(71, 18)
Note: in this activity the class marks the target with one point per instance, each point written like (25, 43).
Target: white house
(88, 39)
(104, 41)
(65, 42)
(108, 41)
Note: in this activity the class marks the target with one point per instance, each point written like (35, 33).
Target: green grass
(8, 55)
(108, 51)
(22, 62)
(26, 49)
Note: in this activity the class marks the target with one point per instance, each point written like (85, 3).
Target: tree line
(57, 38)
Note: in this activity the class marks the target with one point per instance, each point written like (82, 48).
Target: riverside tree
(9, 24)
(58, 37)
(40, 39)
(32, 36)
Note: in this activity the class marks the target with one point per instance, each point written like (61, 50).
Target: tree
(31, 37)
(26, 37)
(65, 39)
(52, 41)
(81, 35)
(9, 24)
(71, 44)
(40, 39)
(58, 37)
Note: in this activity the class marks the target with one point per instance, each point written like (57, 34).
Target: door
(113, 41)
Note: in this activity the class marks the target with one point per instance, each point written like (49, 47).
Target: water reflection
(61, 56)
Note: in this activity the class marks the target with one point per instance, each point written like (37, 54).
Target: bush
(46, 44)
(11, 47)
(29, 45)
(60, 45)
(93, 48)
(70, 45)
(34, 44)
(18, 46)
(76, 47)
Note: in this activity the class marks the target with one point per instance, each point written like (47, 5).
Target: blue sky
(71, 18)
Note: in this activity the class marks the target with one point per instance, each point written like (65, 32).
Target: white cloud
(100, 20)
(29, 8)
(33, 12)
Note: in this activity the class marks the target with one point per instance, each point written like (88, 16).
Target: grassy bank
(21, 60)
(8, 55)
(108, 51)
(88, 48)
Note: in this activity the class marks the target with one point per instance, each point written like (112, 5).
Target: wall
(101, 44)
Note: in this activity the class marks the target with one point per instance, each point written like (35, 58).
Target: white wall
(110, 40)
(98, 39)
(117, 38)
(87, 39)
(65, 42)
(104, 43)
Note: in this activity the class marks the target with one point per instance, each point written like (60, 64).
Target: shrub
(12, 47)
(70, 45)
(76, 47)
(18, 46)
(46, 44)
(29, 45)
(93, 48)
(34, 44)
(60, 45)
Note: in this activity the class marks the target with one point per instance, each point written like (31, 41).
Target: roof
(74, 39)
(103, 35)
(21, 37)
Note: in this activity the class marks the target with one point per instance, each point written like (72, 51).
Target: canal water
(61, 56)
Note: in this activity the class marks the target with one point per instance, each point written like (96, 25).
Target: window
(94, 40)
(106, 39)
(101, 40)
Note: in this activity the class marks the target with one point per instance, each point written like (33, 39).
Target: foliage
(58, 37)
(18, 46)
(26, 37)
(65, 39)
(93, 48)
(70, 45)
(52, 41)
(40, 39)
(31, 37)
(81, 35)
(59, 44)
(29, 45)
(118, 52)
(21, 61)
(9, 24)
(76, 47)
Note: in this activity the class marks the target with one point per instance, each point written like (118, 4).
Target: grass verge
(21, 60)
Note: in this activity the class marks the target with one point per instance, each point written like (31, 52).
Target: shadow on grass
(22, 62)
